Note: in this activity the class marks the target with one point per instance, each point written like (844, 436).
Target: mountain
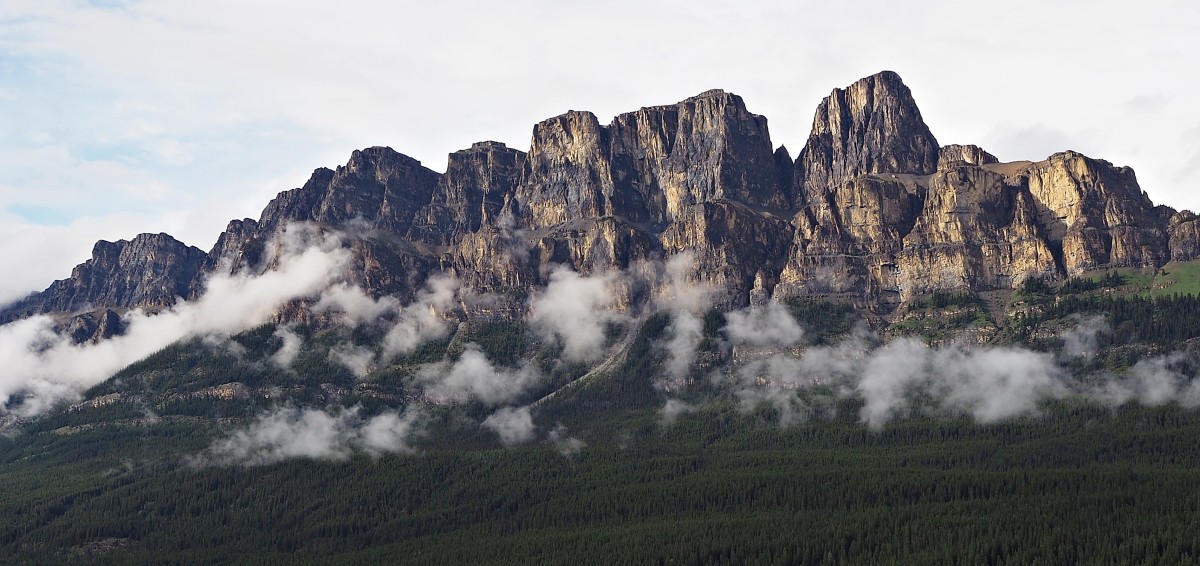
(657, 340)
(871, 210)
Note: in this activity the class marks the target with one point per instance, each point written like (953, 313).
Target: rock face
(378, 188)
(151, 271)
(472, 193)
(872, 126)
(872, 209)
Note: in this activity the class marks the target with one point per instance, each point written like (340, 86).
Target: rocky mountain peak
(871, 209)
(872, 126)
(149, 271)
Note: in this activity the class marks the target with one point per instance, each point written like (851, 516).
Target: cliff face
(151, 271)
(872, 126)
(872, 209)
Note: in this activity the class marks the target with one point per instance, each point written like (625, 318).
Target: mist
(685, 297)
(288, 432)
(46, 368)
(513, 425)
(575, 310)
(474, 376)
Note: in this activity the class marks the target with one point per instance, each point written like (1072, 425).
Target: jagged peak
(376, 155)
(144, 238)
(872, 126)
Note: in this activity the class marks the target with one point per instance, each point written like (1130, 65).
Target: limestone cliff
(871, 209)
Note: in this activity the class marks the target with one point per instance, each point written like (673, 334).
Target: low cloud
(904, 377)
(768, 325)
(671, 410)
(1151, 382)
(686, 300)
(567, 445)
(287, 352)
(419, 322)
(576, 311)
(45, 367)
(1082, 339)
(513, 425)
(473, 376)
(287, 433)
(353, 306)
(358, 359)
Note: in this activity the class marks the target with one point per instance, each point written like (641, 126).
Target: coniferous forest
(1077, 481)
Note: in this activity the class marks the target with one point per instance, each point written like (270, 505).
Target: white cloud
(670, 411)
(473, 376)
(769, 325)
(48, 367)
(569, 446)
(353, 306)
(420, 322)
(513, 425)
(1081, 340)
(286, 433)
(576, 310)
(358, 359)
(287, 352)
(686, 297)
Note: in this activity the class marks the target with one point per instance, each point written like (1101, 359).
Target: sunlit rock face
(872, 209)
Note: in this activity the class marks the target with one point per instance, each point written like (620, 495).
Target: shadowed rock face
(872, 208)
(151, 271)
(471, 194)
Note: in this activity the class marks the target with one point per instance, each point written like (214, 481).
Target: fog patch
(767, 325)
(1082, 340)
(420, 321)
(567, 445)
(46, 368)
(289, 350)
(288, 432)
(575, 310)
(358, 359)
(686, 301)
(473, 376)
(671, 410)
(513, 425)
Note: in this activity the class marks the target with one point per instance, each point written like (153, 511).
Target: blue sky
(172, 115)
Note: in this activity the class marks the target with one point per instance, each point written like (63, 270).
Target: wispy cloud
(288, 432)
(47, 367)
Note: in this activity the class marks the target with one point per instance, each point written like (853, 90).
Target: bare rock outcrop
(151, 271)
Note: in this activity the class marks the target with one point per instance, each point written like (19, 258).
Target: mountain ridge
(872, 208)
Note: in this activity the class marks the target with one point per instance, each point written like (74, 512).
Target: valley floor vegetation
(623, 470)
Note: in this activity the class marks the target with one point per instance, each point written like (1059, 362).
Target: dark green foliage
(946, 299)
(1076, 285)
(1082, 485)
(1162, 322)
(1033, 291)
(823, 321)
(503, 342)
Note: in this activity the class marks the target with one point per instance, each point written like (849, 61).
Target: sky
(122, 117)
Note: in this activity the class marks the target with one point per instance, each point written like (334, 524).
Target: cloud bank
(906, 376)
